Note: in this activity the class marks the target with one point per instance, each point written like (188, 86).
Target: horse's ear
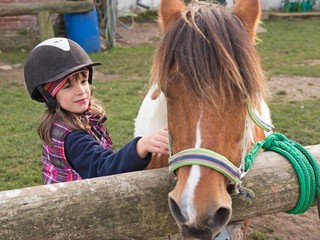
(249, 13)
(169, 11)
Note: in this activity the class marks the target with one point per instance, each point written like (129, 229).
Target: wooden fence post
(45, 25)
(17, 9)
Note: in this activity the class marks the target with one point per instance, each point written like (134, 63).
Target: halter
(211, 159)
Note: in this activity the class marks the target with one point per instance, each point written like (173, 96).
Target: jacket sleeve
(90, 159)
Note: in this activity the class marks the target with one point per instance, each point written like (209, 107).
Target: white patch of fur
(264, 115)
(198, 135)
(250, 130)
(187, 207)
(152, 114)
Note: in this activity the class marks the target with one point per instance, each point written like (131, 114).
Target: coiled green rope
(306, 167)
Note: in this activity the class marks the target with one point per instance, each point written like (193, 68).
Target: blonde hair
(72, 120)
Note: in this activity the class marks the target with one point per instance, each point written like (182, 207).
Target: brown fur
(209, 49)
(169, 11)
(207, 67)
(249, 18)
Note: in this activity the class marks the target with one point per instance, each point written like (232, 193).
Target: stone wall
(22, 31)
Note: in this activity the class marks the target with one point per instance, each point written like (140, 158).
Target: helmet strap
(90, 75)
(90, 79)
(50, 101)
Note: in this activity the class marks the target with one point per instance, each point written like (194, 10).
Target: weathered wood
(132, 205)
(16, 9)
(294, 14)
(289, 15)
(45, 25)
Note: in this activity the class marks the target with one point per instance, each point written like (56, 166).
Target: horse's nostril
(219, 218)
(176, 212)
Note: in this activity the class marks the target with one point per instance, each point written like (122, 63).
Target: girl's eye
(84, 81)
(66, 86)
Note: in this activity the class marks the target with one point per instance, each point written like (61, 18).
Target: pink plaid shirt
(55, 167)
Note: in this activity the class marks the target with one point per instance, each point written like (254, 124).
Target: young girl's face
(75, 94)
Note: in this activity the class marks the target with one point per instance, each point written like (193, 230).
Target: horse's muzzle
(204, 227)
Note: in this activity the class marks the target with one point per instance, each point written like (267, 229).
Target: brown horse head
(207, 67)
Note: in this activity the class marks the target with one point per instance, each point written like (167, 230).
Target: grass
(20, 145)
(122, 95)
(121, 98)
(13, 56)
(256, 235)
(288, 45)
(284, 48)
(263, 233)
(126, 61)
(299, 121)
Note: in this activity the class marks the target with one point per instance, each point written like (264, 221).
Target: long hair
(209, 50)
(72, 120)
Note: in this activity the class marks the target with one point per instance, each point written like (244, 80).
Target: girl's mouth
(82, 100)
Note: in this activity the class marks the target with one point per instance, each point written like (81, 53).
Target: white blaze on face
(198, 136)
(187, 197)
(187, 207)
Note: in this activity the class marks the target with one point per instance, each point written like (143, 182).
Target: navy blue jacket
(90, 159)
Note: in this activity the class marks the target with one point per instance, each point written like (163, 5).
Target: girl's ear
(248, 11)
(169, 12)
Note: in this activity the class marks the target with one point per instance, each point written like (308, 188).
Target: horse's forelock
(209, 49)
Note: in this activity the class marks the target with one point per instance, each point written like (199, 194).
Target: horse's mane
(209, 49)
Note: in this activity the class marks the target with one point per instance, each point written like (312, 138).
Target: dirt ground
(288, 227)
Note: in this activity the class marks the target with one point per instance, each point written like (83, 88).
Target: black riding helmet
(52, 60)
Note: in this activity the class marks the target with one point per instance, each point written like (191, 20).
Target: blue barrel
(83, 28)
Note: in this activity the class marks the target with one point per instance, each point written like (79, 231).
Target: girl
(75, 143)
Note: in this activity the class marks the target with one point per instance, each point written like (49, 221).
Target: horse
(207, 85)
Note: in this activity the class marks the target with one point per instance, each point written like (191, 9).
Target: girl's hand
(156, 142)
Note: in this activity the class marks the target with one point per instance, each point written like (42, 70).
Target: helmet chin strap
(90, 75)
(49, 101)
(90, 82)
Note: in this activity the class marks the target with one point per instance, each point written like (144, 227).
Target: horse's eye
(166, 94)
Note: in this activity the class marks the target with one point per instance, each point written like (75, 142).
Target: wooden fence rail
(133, 205)
(43, 10)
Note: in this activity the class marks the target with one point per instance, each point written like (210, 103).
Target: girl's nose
(80, 88)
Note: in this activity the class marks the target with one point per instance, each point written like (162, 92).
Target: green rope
(306, 167)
